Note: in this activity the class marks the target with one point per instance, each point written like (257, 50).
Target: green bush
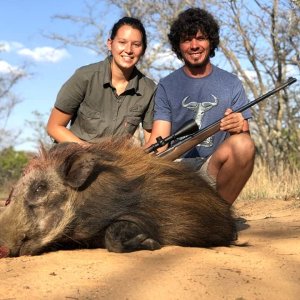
(11, 164)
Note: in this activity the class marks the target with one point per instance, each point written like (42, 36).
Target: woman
(111, 97)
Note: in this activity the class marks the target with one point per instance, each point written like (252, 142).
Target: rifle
(194, 136)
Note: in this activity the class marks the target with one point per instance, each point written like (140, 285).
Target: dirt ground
(268, 268)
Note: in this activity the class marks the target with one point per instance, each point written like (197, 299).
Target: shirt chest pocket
(89, 119)
(131, 123)
(134, 118)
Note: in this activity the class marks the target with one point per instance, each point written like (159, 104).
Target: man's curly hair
(188, 23)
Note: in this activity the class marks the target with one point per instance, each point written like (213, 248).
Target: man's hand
(233, 122)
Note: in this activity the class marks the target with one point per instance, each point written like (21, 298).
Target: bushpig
(111, 195)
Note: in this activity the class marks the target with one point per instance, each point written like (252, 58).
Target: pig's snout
(4, 252)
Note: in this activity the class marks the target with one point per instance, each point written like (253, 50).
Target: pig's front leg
(126, 236)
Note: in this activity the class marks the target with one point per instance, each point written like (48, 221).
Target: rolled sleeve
(71, 94)
(148, 117)
(162, 108)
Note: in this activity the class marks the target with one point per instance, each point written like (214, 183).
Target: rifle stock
(191, 141)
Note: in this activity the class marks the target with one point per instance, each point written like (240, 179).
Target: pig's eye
(37, 191)
(39, 188)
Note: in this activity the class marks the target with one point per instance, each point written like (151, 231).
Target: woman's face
(126, 47)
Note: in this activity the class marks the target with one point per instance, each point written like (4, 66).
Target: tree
(259, 42)
(11, 164)
(38, 125)
(8, 101)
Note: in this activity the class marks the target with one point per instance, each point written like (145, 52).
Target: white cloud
(6, 68)
(40, 54)
(46, 54)
(9, 46)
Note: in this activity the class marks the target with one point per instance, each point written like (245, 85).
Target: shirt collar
(133, 83)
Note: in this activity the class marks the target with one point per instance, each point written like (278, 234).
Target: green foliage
(11, 164)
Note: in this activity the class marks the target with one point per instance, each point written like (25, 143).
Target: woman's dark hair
(188, 23)
(134, 23)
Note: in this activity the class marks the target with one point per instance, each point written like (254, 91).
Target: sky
(22, 23)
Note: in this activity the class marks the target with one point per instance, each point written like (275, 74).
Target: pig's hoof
(124, 236)
(150, 244)
(141, 242)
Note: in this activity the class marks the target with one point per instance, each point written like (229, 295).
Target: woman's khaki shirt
(97, 110)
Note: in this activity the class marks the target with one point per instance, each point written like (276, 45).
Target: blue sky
(22, 23)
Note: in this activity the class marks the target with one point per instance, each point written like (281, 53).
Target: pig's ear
(77, 168)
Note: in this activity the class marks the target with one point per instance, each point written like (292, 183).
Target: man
(206, 93)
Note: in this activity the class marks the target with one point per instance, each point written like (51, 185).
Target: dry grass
(263, 184)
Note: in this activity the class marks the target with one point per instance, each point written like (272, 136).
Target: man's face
(195, 50)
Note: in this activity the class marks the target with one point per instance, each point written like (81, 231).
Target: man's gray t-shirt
(96, 108)
(180, 98)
